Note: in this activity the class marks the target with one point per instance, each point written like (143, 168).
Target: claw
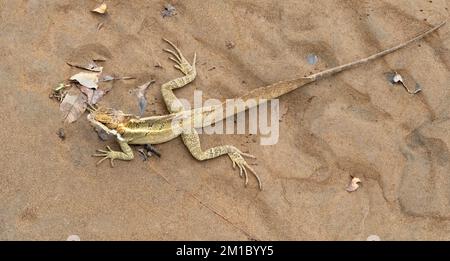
(105, 154)
(246, 154)
(178, 67)
(174, 54)
(246, 176)
(176, 48)
(174, 60)
(237, 159)
(254, 174)
(101, 160)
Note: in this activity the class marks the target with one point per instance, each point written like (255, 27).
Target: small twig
(99, 26)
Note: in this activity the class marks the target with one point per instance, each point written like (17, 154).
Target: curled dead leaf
(397, 78)
(405, 79)
(354, 184)
(101, 9)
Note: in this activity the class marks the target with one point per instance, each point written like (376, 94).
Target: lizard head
(109, 117)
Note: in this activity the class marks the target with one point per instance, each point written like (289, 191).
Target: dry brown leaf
(88, 79)
(101, 9)
(94, 95)
(98, 94)
(354, 184)
(88, 92)
(73, 105)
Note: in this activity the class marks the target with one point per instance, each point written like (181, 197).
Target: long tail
(280, 88)
(265, 93)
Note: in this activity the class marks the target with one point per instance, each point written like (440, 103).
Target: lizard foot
(109, 154)
(238, 159)
(181, 63)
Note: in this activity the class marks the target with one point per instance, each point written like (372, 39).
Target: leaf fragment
(230, 44)
(98, 94)
(61, 134)
(373, 238)
(169, 10)
(312, 58)
(88, 79)
(101, 9)
(73, 238)
(354, 184)
(142, 100)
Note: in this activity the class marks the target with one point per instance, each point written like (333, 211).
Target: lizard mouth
(98, 124)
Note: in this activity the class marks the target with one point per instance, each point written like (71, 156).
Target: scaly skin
(130, 129)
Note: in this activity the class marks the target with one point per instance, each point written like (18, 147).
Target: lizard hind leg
(192, 142)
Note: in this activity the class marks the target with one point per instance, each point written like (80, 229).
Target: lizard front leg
(192, 142)
(125, 154)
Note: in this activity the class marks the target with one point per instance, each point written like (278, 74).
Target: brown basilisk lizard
(130, 129)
